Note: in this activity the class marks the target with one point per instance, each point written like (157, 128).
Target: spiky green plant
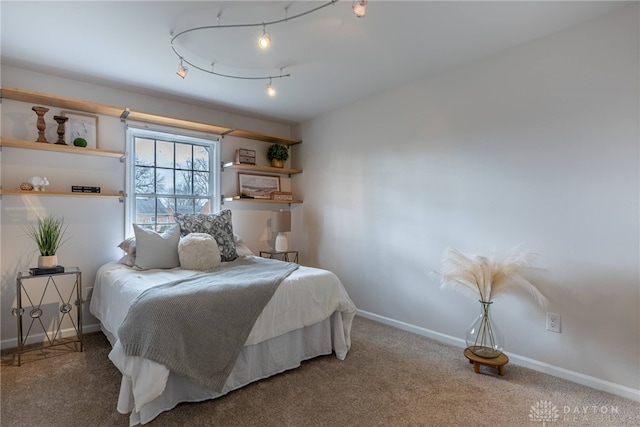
(48, 234)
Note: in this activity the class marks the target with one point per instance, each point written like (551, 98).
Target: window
(170, 173)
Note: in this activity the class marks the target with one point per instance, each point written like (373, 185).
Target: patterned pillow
(218, 225)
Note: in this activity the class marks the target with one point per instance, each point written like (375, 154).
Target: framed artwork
(81, 126)
(257, 186)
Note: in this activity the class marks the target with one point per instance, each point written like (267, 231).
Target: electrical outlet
(89, 294)
(553, 322)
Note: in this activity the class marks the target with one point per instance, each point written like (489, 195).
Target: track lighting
(264, 41)
(360, 8)
(182, 70)
(271, 91)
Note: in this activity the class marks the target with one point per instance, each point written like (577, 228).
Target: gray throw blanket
(197, 326)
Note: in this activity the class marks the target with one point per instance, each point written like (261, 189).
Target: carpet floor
(389, 378)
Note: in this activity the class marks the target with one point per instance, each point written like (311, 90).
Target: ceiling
(333, 57)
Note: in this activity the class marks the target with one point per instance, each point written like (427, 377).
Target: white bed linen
(307, 297)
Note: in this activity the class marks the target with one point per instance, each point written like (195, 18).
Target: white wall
(537, 145)
(96, 225)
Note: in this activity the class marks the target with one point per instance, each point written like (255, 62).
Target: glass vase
(483, 339)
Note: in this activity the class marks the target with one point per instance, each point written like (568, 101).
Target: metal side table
(45, 306)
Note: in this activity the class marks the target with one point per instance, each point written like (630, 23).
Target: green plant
(80, 142)
(278, 152)
(47, 234)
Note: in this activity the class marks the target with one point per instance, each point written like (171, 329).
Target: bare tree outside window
(171, 174)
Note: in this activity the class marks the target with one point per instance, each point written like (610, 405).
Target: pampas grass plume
(487, 278)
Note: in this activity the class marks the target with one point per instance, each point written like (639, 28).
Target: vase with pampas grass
(485, 279)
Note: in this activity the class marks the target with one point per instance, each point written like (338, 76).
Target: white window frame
(172, 135)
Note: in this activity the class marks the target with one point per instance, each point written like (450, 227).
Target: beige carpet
(390, 378)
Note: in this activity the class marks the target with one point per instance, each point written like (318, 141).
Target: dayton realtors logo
(545, 411)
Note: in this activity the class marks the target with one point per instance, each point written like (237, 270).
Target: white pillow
(127, 260)
(243, 250)
(129, 246)
(241, 247)
(198, 251)
(154, 250)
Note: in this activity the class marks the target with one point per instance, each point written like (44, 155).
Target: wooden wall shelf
(254, 168)
(243, 199)
(123, 112)
(17, 143)
(57, 193)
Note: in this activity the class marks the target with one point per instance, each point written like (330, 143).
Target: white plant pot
(47, 261)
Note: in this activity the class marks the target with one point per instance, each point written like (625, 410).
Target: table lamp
(281, 223)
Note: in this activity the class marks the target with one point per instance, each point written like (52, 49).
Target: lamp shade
(281, 221)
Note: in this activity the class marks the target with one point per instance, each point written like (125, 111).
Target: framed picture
(257, 186)
(81, 126)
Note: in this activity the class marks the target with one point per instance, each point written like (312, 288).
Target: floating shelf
(126, 113)
(269, 169)
(244, 199)
(17, 143)
(57, 193)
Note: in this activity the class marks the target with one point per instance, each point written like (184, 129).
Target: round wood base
(499, 361)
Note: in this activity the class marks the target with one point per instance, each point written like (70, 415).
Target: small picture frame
(253, 186)
(81, 126)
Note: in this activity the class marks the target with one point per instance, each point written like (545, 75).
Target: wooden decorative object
(61, 120)
(282, 195)
(41, 124)
(246, 157)
(499, 361)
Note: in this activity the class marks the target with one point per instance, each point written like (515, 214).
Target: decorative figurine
(61, 121)
(26, 186)
(39, 183)
(41, 123)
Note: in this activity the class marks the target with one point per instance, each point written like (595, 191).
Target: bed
(309, 315)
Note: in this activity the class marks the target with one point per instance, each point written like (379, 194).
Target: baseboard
(42, 338)
(576, 377)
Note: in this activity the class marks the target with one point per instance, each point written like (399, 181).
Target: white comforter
(307, 296)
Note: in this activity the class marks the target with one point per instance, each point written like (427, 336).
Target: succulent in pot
(278, 154)
(48, 234)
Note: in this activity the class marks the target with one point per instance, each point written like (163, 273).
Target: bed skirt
(255, 362)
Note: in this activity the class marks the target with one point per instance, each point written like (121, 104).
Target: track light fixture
(360, 8)
(182, 70)
(271, 91)
(263, 42)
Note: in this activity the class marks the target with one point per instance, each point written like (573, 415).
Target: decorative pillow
(241, 247)
(218, 225)
(154, 250)
(127, 260)
(198, 251)
(129, 246)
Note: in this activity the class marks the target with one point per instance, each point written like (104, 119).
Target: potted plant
(277, 153)
(48, 235)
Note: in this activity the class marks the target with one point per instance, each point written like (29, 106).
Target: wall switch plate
(553, 322)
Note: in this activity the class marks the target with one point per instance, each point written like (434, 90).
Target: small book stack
(35, 271)
(84, 189)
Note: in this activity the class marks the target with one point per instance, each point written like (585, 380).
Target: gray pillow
(218, 225)
(154, 250)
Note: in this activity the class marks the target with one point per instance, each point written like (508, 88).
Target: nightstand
(45, 305)
(289, 256)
